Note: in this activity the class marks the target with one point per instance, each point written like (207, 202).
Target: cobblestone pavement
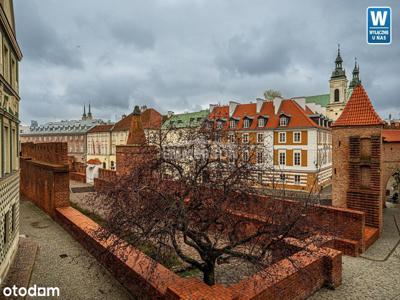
(376, 274)
(62, 262)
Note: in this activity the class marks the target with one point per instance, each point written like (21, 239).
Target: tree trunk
(209, 274)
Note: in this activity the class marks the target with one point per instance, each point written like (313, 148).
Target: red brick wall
(51, 153)
(297, 277)
(44, 175)
(130, 156)
(347, 161)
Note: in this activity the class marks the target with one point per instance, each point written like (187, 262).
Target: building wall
(76, 142)
(10, 55)
(99, 147)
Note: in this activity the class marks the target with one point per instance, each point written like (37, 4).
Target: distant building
(103, 139)
(72, 132)
(288, 143)
(10, 55)
(177, 128)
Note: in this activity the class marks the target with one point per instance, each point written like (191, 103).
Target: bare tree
(196, 200)
(271, 94)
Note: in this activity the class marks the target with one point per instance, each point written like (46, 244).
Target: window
(336, 95)
(245, 138)
(6, 222)
(246, 123)
(104, 165)
(260, 177)
(112, 165)
(231, 157)
(261, 122)
(297, 158)
(296, 179)
(231, 138)
(282, 158)
(260, 137)
(14, 218)
(232, 124)
(260, 157)
(283, 121)
(282, 137)
(297, 137)
(282, 177)
(246, 155)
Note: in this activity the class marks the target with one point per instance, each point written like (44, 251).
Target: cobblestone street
(62, 262)
(376, 274)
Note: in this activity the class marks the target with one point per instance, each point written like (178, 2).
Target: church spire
(356, 75)
(339, 72)
(89, 116)
(84, 113)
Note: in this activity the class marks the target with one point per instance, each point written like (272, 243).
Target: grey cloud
(40, 41)
(131, 33)
(176, 55)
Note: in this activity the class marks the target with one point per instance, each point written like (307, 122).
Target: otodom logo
(379, 25)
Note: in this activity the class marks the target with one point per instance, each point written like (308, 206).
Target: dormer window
(246, 123)
(232, 124)
(283, 121)
(261, 122)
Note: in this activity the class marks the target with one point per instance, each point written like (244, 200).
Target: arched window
(337, 95)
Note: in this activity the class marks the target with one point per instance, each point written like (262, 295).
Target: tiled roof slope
(101, 128)
(358, 111)
(391, 135)
(192, 119)
(151, 119)
(298, 116)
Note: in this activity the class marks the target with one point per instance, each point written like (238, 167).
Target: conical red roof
(358, 111)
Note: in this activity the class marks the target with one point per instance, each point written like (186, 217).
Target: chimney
(277, 104)
(143, 108)
(232, 107)
(301, 102)
(212, 106)
(260, 102)
(170, 113)
(123, 116)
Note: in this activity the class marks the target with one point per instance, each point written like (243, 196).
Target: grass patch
(95, 217)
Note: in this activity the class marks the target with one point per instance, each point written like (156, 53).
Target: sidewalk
(62, 262)
(374, 275)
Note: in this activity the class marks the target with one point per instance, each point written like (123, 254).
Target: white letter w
(378, 17)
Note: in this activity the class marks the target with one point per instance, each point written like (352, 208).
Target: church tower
(84, 117)
(356, 76)
(89, 116)
(338, 89)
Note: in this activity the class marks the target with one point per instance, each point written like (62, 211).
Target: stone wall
(44, 175)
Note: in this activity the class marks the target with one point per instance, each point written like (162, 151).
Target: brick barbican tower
(357, 158)
(137, 151)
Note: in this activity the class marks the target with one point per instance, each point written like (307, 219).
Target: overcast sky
(183, 55)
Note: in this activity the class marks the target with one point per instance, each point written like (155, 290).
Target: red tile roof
(298, 116)
(358, 111)
(100, 128)
(151, 119)
(391, 135)
(94, 161)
